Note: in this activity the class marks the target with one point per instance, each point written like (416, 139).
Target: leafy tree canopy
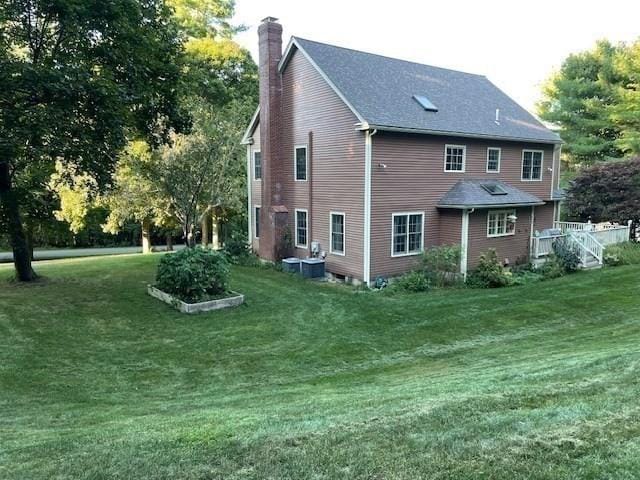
(76, 80)
(205, 18)
(606, 191)
(595, 100)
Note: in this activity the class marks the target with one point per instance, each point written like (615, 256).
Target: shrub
(193, 274)
(489, 273)
(552, 268)
(567, 255)
(411, 282)
(442, 265)
(622, 254)
(236, 248)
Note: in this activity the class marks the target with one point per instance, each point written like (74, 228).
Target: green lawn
(98, 380)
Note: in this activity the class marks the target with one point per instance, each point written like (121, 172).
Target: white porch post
(464, 243)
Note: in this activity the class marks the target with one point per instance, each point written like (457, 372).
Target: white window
(454, 158)
(501, 223)
(337, 233)
(301, 228)
(256, 221)
(300, 159)
(257, 165)
(493, 159)
(407, 233)
(532, 165)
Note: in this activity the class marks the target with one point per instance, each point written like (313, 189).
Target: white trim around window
(533, 152)
(253, 164)
(343, 233)
(295, 163)
(406, 234)
(494, 149)
(256, 221)
(298, 228)
(464, 157)
(498, 224)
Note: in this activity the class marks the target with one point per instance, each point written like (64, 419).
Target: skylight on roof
(494, 189)
(425, 103)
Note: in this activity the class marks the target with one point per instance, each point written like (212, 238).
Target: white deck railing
(590, 238)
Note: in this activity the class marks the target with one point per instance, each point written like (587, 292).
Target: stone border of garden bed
(233, 301)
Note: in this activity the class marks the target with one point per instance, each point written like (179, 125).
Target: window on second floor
(531, 165)
(257, 165)
(301, 163)
(493, 160)
(454, 158)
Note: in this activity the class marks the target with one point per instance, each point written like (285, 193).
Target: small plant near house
(412, 282)
(552, 268)
(567, 255)
(441, 265)
(193, 274)
(489, 273)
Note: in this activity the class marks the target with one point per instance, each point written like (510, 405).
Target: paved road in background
(81, 252)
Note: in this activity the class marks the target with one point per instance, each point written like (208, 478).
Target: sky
(516, 44)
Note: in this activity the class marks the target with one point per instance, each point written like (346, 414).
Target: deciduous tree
(76, 80)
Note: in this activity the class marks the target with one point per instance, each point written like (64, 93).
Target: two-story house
(375, 159)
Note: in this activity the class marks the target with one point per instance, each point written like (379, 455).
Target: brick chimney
(274, 215)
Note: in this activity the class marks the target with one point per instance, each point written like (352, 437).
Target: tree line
(135, 107)
(594, 100)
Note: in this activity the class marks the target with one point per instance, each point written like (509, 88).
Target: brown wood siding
(543, 217)
(450, 227)
(515, 247)
(414, 180)
(310, 105)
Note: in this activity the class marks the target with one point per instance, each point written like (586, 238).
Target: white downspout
(464, 242)
(366, 276)
(249, 199)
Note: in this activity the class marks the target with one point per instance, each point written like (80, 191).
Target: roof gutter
(385, 128)
(500, 205)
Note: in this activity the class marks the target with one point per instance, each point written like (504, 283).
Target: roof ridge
(389, 57)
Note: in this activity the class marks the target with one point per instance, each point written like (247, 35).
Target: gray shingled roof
(470, 193)
(380, 89)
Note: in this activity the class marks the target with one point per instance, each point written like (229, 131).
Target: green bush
(567, 254)
(411, 282)
(193, 274)
(622, 254)
(489, 273)
(236, 248)
(552, 268)
(441, 265)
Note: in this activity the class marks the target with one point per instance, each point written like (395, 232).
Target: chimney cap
(269, 20)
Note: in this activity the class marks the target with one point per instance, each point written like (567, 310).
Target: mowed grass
(99, 380)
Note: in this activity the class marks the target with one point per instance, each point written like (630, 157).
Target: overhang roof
(471, 193)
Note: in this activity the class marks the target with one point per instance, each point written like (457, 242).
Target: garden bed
(232, 300)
